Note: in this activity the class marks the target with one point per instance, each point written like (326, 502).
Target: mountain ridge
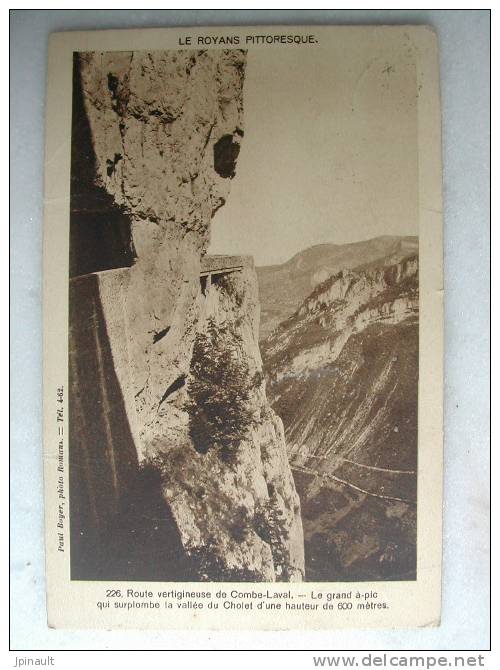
(283, 287)
(342, 373)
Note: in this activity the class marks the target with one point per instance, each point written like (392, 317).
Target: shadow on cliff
(121, 527)
(100, 231)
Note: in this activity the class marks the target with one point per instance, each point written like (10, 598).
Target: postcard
(243, 319)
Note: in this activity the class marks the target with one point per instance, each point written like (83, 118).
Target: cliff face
(162, 132)
(343, 376)
(156, 122)
(231, 490)
(344, 304)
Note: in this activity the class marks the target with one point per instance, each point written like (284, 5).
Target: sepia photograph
(249, 306)
(243, 316)
(245, 307)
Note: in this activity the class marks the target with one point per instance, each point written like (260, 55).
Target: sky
(330, 150)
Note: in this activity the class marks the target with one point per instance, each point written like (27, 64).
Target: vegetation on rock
(220, 385)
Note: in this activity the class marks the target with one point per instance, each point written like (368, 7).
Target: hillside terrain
(282, 288)
(342, 373)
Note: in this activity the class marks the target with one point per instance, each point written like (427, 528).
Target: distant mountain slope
(283, 287)
(342, 373)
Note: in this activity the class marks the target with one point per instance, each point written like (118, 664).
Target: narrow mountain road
(325, 475)
(368, 467)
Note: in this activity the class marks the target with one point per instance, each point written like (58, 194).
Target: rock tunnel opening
(100, 231)
(218, 277)
(215, 268)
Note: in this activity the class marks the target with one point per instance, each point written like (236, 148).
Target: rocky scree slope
(343, 374)
(156, 136)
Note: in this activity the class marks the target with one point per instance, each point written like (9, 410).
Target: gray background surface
(465, 79)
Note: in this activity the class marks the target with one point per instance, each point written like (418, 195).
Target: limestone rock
(163, 135)
(284, 287)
